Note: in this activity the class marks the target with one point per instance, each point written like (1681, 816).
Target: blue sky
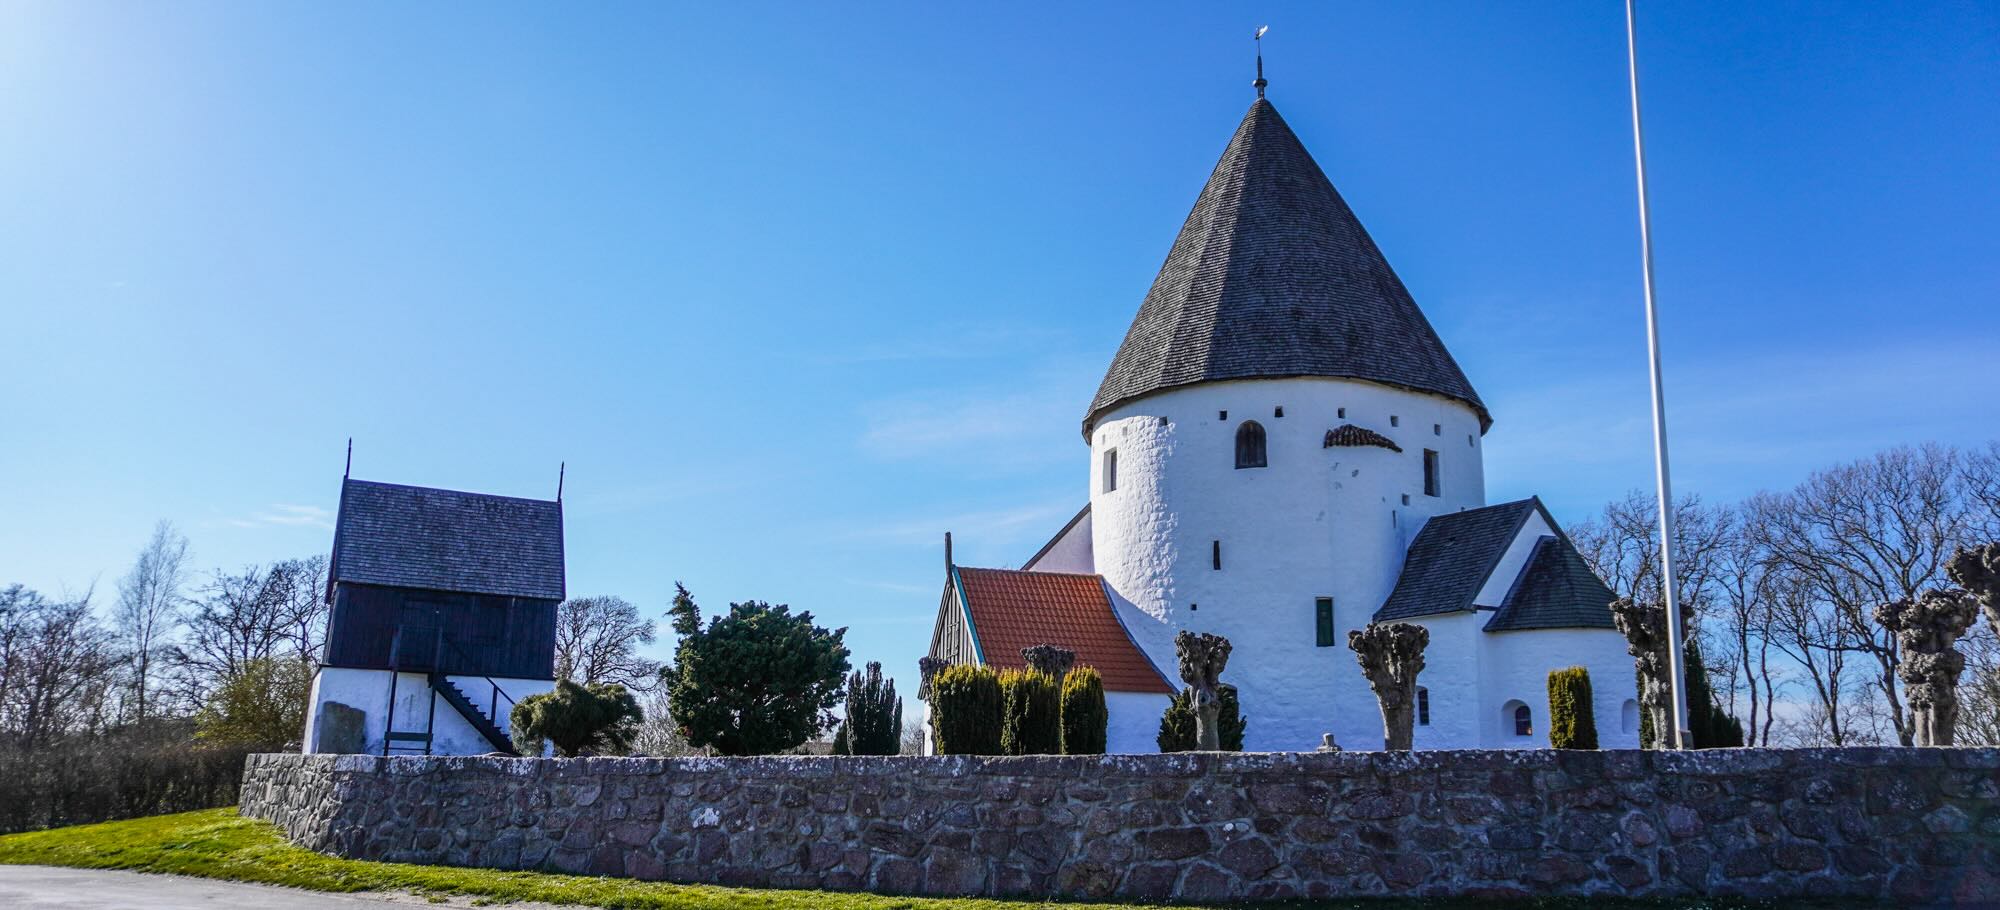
(796, 289)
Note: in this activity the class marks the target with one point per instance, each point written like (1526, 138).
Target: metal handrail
(493, 697)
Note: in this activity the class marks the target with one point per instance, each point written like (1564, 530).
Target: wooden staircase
(495, 736)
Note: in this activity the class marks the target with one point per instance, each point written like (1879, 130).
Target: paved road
(46, 888)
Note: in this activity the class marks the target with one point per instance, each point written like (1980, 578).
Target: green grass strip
(219, 844)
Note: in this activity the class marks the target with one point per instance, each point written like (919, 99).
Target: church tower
(1279, 422)
(1282, 452)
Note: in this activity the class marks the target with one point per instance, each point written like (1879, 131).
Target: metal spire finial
(1259, 38)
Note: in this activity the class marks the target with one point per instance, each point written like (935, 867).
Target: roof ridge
(1035, 572)
(411, 486)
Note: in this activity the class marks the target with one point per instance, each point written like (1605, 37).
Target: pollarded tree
(1927, 627)
(1391, 655)
(1177, 723)
(758, 681)
(1202, 659)
(598, 719)
(1977, 570)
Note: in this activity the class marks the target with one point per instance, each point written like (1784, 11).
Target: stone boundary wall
(1910, 825)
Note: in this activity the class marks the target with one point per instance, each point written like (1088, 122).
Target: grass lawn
(217, 843)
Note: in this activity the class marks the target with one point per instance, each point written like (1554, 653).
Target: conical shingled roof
(1273, 276)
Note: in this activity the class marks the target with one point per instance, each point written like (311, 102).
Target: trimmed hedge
(966, 710)
(1572, 722)
(1031, 722)
(1085, 718)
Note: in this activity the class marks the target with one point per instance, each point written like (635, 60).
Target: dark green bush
(1177, 725)
(1084, 716)
(1031, 722)
(1572, 722)
(759, 681)
(599, 719)
(966, 710)
(874, 724)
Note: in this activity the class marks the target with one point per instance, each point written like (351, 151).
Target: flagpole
(1676, 675)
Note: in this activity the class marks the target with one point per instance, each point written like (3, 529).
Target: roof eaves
(965, 608)
(1111, 603)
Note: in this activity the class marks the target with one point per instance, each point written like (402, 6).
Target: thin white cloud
(1033, 422)
(286, 515)
(988, 528)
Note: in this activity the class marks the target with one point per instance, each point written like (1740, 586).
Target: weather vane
(1259, 38)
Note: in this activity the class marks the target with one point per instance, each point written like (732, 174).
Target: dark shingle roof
(1273, 276)
(1451, 559)
(1556, 590)
(445, 540)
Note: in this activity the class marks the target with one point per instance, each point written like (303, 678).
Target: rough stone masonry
(1911, 825)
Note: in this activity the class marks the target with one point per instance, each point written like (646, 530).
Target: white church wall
(368, 690)
(1316, 522)
(1069, 552)
(1515, 667)
(1134, 721)
(1451, 676)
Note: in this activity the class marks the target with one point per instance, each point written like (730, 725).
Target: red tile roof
(1014, 609)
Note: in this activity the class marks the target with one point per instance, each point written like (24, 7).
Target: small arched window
(1250, 445)
(1628, 717)
(1524, 721)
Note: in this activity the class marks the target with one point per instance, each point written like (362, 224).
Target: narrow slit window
(1250, 445)
(1323, 618)
(1423, 707)
(1110, 470)
(1430, 472)
(1215, 553)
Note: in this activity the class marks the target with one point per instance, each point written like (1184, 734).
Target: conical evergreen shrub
(966, 710)
(1085, 718)
(874, 724)
(1031, 722)
(1572, 722)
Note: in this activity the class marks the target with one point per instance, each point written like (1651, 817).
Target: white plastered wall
(1069, 552)
(1316, 522)
(1134, 721)
(368, 690)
